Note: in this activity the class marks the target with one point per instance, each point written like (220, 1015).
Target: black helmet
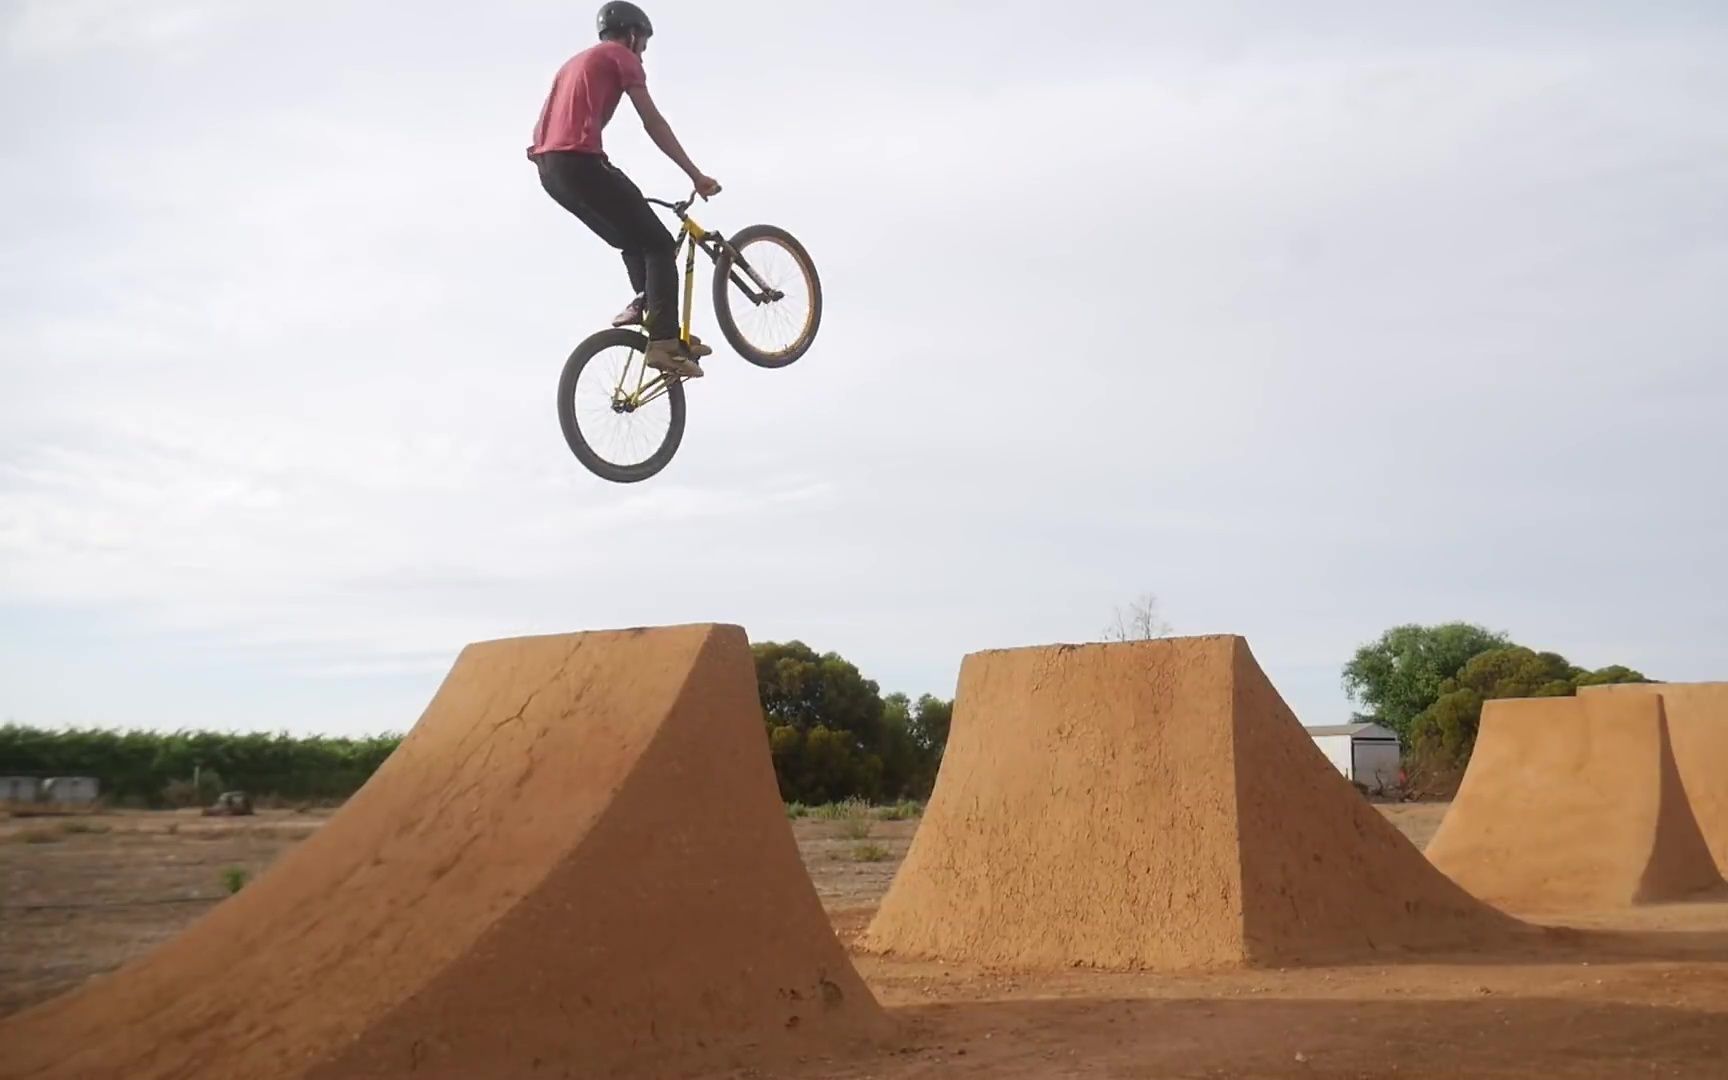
(620, 15)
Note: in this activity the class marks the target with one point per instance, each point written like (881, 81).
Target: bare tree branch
(1139, 620)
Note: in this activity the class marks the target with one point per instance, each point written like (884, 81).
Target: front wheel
(767, 297)
(622, 419)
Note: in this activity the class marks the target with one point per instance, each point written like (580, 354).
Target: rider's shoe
(632, 315)
(673, 358)
(697, 349)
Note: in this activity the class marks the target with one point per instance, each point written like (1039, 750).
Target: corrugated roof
(1371, 730)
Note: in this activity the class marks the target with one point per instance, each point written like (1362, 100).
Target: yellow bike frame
(648, 389)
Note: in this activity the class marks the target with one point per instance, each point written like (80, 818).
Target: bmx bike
(623, 420)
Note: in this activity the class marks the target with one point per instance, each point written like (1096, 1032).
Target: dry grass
(856, 828)
(904, 810)
(870, 853)
(37, 836)
(43, 810)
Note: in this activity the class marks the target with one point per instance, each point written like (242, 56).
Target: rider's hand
(706, 186)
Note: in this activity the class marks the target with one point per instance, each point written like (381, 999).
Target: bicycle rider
(575, 171)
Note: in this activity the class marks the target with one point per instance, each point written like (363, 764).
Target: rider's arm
(661, 132)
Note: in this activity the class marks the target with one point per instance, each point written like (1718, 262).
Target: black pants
(608, 202)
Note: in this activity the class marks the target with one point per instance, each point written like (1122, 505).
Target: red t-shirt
(584, 95)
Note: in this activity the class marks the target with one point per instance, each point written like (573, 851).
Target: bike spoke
(627, 436)
(775, 326)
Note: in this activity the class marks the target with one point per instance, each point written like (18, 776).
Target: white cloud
(50, 27)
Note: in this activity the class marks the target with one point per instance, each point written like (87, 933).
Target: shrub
(856, 828)
(904, 810)
(842, 810)
(180, 794)
(869, 853)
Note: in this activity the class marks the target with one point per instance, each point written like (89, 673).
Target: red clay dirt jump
(1698, 728)
(1574, 804)
(541, 882)
(1154, 805)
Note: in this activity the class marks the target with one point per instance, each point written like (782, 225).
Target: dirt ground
(1627, 994)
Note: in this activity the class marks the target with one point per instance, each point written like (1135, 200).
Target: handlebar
(680, 208)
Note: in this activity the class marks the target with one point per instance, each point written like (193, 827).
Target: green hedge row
(140, 766)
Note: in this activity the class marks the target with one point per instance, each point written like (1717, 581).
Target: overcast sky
(1310, 319)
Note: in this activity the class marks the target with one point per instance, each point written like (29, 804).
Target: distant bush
(234, 879)
(869, 853)
(179, 794)
(137, 768)
(857, 824)
(904, 810)
(840, 811)
(855, 815)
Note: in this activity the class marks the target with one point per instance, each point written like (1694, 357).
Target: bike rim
(774, 327)
(622, 438)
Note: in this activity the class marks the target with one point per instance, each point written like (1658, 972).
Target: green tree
(802, 689)
(827, 724)
(834, 736)
(903, 759)
(835, 770)
(1444, 734)
(930, 724)
(1400, 675)
(786, 747)
(896, 707)
(1515, 671)
(1613, 673)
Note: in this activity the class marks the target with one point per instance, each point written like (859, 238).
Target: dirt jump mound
(576, 865)
(1154, 804)
(1697, 716)
(1573, 804)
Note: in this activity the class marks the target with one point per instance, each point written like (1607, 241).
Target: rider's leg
(567, 177)
(659, 278)
(613, 207)
(648, 248)
(580, 184)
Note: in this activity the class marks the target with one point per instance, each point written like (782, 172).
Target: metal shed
(71, 790)
(1366, 754)
(19, 789)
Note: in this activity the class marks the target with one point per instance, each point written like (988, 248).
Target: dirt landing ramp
(1573, 804)
(576, 865)
(1153, 804)
(1698, 729)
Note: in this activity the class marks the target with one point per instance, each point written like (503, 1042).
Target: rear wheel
(768, 300)
(622, 420)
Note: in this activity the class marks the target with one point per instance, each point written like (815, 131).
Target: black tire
(726, 293)
(625, 473)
